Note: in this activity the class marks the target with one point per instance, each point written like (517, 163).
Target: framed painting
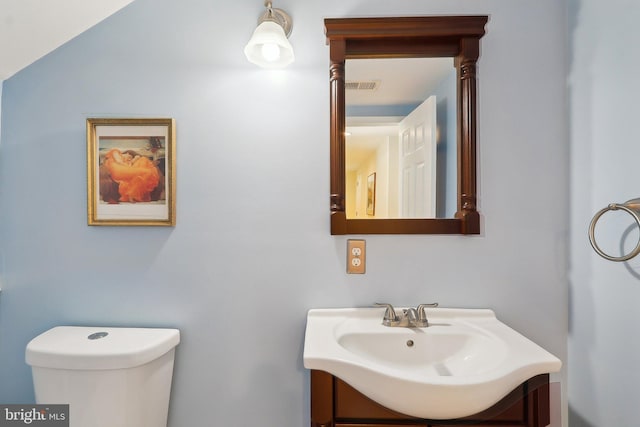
(131, 171)
(371, 194)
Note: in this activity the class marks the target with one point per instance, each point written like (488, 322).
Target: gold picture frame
(371, 194)
(131, 171)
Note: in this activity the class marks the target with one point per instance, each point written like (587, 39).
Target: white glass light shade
(269, 47)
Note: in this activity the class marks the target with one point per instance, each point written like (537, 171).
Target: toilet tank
(110, 377)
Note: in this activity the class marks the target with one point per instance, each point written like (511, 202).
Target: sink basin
(463, 363)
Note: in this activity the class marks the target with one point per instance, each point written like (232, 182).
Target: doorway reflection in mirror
(401, 125)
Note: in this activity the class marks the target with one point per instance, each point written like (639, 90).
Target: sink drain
(409, 343)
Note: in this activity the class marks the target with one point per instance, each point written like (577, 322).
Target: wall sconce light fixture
(269, 47)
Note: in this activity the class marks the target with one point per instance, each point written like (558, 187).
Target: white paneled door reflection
(418, 161)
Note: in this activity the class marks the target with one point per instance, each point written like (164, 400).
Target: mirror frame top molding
(407, 37)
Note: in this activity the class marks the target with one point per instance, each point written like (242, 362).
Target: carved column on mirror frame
(466, 65)
(337, 98)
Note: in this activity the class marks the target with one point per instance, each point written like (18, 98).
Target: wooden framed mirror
(417, 190)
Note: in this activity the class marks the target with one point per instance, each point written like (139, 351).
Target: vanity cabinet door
(351, 404)
(384, 425)
(489, 424)
(336, 403)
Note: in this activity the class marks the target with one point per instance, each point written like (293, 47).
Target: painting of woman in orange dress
(126, 176)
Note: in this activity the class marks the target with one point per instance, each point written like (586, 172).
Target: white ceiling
(29, 29)
(400, 80)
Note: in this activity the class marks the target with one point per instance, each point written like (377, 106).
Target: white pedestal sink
(463, 363)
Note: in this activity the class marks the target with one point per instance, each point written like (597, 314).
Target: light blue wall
(604, 347)
(1, 84)
(251, 251)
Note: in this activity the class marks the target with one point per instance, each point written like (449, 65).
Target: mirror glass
(400, 153)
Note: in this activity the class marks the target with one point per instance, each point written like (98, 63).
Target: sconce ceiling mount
(269, 46)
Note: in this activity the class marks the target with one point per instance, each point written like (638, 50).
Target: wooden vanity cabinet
(334, 403)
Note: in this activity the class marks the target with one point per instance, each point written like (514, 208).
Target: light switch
(356, 256)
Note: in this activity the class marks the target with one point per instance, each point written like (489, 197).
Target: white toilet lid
(82, 347)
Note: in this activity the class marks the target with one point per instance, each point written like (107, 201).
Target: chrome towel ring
(632, 207)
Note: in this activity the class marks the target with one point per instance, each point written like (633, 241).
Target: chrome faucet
(411, 314)
(409, 317)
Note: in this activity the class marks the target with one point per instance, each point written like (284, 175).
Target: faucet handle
(422, 315)
(390, 314)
